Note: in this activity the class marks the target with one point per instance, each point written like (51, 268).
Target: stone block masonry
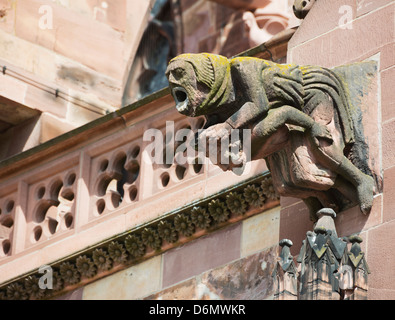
(368, 35)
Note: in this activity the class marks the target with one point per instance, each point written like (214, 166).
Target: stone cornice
(171, 230)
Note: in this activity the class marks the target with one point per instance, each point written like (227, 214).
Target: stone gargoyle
(301, 120)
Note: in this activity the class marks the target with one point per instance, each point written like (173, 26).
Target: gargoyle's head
(197, 82)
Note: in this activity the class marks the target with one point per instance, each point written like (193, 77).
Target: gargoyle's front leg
(272, 122)
(213, 136)
(220, 147)
(279, 117)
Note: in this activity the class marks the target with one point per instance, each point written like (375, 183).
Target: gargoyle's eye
(178, 73)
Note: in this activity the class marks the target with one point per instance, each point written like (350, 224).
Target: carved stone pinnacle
(286, 242)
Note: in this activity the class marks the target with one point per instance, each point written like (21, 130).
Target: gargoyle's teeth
(182, 106)
(181, 97)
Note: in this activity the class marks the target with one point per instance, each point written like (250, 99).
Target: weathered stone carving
(327, 269)
(102, 259)
(302, 7)
(33, 289)
(69, 273)
(285, 274)
(86, 267)
(117, 252)
(301, 120)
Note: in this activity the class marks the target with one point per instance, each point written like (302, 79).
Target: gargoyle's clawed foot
(365, 194)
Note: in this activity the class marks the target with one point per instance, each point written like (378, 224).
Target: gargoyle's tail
(356, 80)
(336, 86)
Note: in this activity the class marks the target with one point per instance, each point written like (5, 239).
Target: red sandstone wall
(234, 263)
(338, 32)
(86, 45)
(83, 49)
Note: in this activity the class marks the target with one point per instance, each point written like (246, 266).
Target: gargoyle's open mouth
(181, 97)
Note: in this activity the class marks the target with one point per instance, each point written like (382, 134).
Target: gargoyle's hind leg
(346, 188)
(331, 155)
(334, 159)
(363, 183)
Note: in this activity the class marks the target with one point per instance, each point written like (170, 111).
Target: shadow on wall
(157, 46)
(19, 138)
